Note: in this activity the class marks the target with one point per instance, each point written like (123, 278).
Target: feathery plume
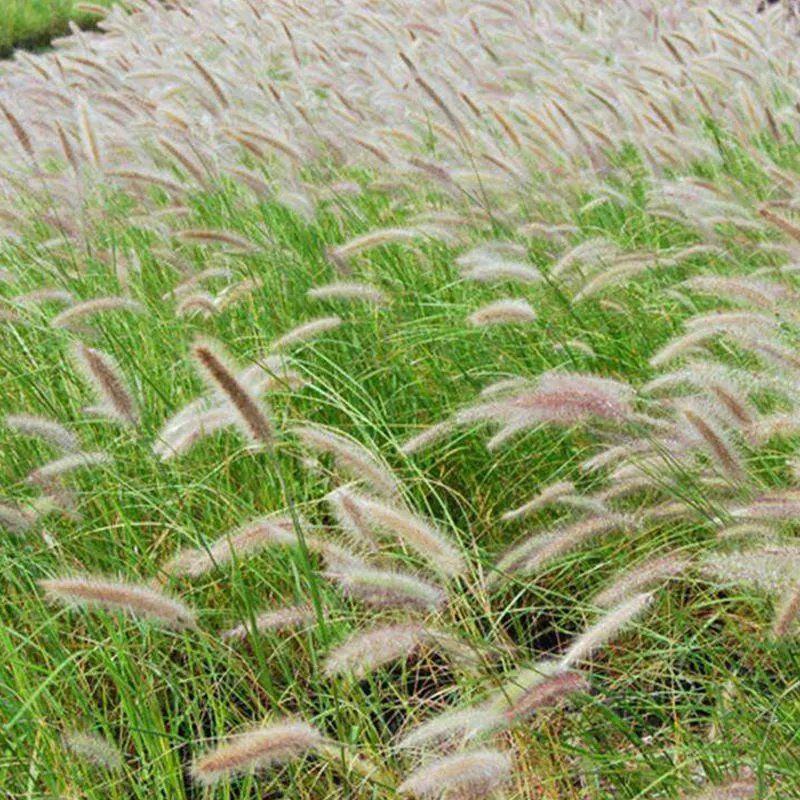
(417, 533)
(88, 136)
(202, 302)
(475, 774)
(181, 437)
(521, 682)
(762, 294)
(253, 420)
(136, 600)
(782, 505)
(14, 519)
(772, 568)
(551, 691)
(350, 517)
(536, 551)
(207, 236)
(256, 750)
(69, 463)
(492, 270)
(148, 178)
(92, 748)
(789, 228)
(427, 436)
(373, 239)
(643, 576)
(20, 134)
(209, 80)
(94, 306)
(43, 428)
(387, 588)
(722, 451)
(45, 295)
(189, 285)
(606, 629)
(305, 332)
(365, 651)
(788, 611)
(459, 724)
(503, 312)
(680, 346)
(278, 619)
(238, 291)
(244, 542)
(559, 398)
(748, 529)
(550, 494)
(350, 456)
(102, 372)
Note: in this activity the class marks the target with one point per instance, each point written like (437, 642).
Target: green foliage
(32, 24)
(672, 697)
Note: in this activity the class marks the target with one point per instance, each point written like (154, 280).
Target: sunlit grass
(95, 202)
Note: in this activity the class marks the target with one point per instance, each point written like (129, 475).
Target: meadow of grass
(35, 23)
(249, 254)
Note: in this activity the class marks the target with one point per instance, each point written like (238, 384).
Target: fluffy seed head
(256, 750)
(351, 518)
(787, 611)
(278, 619)
(641, 577)
(61, 466)
(14, 519)
(206, 236)
(550, 692)
(558, 398)
(716, 442)
(365, 652)
(246, 541)
(350, 456)
(606, 628)
(92, 748)
(138, 601)
(472, 775)
(305, 332)
(503, 312)
(452, 726)
(417, 533)
(771, 568)
(102, 372)
(253, 420)
(387, 589)
(428, 436)
(550, 494)
(68, 317)
(47, 429)
(535, 551)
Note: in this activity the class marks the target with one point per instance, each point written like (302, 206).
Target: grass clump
(428, 409)
(33, 24)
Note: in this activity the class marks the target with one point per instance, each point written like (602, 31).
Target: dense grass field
(238, 284)
(33, 24)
